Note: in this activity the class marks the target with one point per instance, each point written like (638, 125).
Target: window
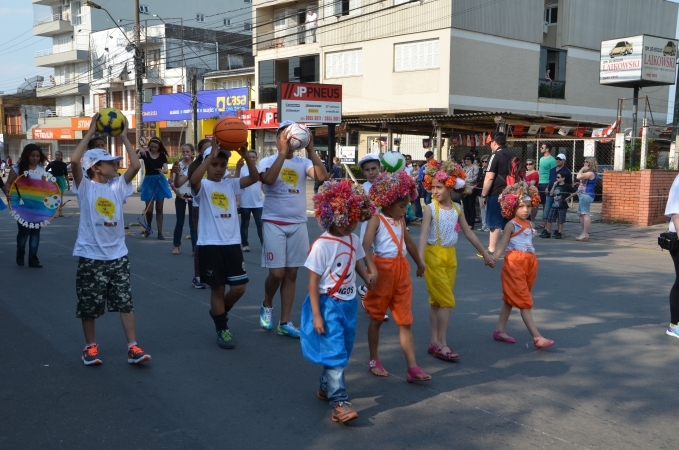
(552, 80)
(420, 55)
(227, 22)
(344, 64)
(77, 13)
(117, 99)
(143, 9)
(303, 69)
(180, 88)
(247, 1)
(551, 12)
(247, 26)
(200, 18)
(341, 7)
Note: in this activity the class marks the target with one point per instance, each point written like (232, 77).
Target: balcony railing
(61, 49)
(551, 89)
(52, 18)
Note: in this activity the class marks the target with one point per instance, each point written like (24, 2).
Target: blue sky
(18, 45)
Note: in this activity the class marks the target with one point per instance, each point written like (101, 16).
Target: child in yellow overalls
(441, 223)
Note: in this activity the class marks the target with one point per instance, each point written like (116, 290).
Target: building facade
(93, 60)
(430, 56)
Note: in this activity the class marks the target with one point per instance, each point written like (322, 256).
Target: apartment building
(396, 57)
(93, 60)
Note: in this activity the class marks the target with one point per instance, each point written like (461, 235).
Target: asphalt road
(609, 381)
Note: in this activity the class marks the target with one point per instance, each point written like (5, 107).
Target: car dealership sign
(638, 60)
(310, 102)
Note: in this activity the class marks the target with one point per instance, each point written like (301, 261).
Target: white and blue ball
(393, 162)
(298, 136)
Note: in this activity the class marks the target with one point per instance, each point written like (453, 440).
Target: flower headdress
(445, 172)
(513, 195)
(391, 187)
(341, 203)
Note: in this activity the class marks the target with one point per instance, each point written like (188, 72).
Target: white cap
(367, 158)
(95, 155)
(560, 156)
(209, 150)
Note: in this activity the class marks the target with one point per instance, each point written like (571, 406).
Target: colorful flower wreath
(445, 172)
(391, 187)
(513, 195)
(341, 203)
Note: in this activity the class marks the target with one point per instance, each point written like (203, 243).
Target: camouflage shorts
(99, 283)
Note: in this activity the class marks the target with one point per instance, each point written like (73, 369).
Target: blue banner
(211, 104)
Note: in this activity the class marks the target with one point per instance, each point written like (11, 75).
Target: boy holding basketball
(103, 275)
(286, 241)
(221, 258)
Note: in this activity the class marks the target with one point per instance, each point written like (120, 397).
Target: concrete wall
(515, 19)
(381, 90)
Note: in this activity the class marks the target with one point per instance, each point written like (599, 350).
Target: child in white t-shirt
(219, 251)
(328, 325)
(103, 275)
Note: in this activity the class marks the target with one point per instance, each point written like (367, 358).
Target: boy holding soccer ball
(286, 241)
(103, 276)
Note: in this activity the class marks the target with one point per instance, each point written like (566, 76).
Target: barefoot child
(103, 276)
(441, 224)
(393, 289)
(328, 323)
(221, 258)
(520, 267)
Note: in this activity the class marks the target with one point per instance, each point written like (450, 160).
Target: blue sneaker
(288, 329)
(265, 317)
(225, 339)
(674, 332)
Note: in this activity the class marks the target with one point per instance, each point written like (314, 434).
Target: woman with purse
(469, 194)
(587, 177)
(670, 242)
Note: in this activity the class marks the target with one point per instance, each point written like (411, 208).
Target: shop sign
(259, 118)
(52, 134)
(310, 102)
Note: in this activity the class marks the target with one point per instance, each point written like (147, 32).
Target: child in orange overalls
(520, 268)
(387, 235)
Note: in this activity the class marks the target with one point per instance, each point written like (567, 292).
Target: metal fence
(575, 150)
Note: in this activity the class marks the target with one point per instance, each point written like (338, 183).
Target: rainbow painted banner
(34, 202)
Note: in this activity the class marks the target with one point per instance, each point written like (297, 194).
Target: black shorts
(541, 191)
(221, 265)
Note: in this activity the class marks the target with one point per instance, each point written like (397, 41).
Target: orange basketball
(231, 133)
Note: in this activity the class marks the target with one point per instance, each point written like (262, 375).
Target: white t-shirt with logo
(328, 258)
(184, 189)
(251, 196)
(101, 231)
(285, 199)
(218, 220)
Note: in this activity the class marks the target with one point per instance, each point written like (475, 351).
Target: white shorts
(284, 245)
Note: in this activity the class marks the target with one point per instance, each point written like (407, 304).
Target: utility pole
(194, 106)
(139, 72)
(675, 117)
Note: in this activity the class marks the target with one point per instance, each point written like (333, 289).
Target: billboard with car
(638, 60)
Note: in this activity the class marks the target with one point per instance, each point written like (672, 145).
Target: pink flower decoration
(457, 227)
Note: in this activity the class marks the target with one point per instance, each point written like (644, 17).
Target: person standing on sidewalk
(251, 202)
(286, 240)
(183, 197)
(547, 177)
(562, 170)
(672, 211)
(499, 166)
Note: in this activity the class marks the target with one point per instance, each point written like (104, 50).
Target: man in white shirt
(310, 25)
(286, 240)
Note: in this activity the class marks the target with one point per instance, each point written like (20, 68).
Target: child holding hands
(441, 223)
(520, 267)
(221, 258)
(328, 326)
(387, 235)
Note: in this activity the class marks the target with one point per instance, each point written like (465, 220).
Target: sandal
(417, 374)
(432, 349)
(450, 355)
(547, 344)
(582, 238)
(508, 339)
(376, 364)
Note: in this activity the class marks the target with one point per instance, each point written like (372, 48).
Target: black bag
(668, 241)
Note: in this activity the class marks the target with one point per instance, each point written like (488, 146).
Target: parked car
(622, 48)
(670, 49)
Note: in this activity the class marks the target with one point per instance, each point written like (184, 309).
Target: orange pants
(519, 272)
(393, 290)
